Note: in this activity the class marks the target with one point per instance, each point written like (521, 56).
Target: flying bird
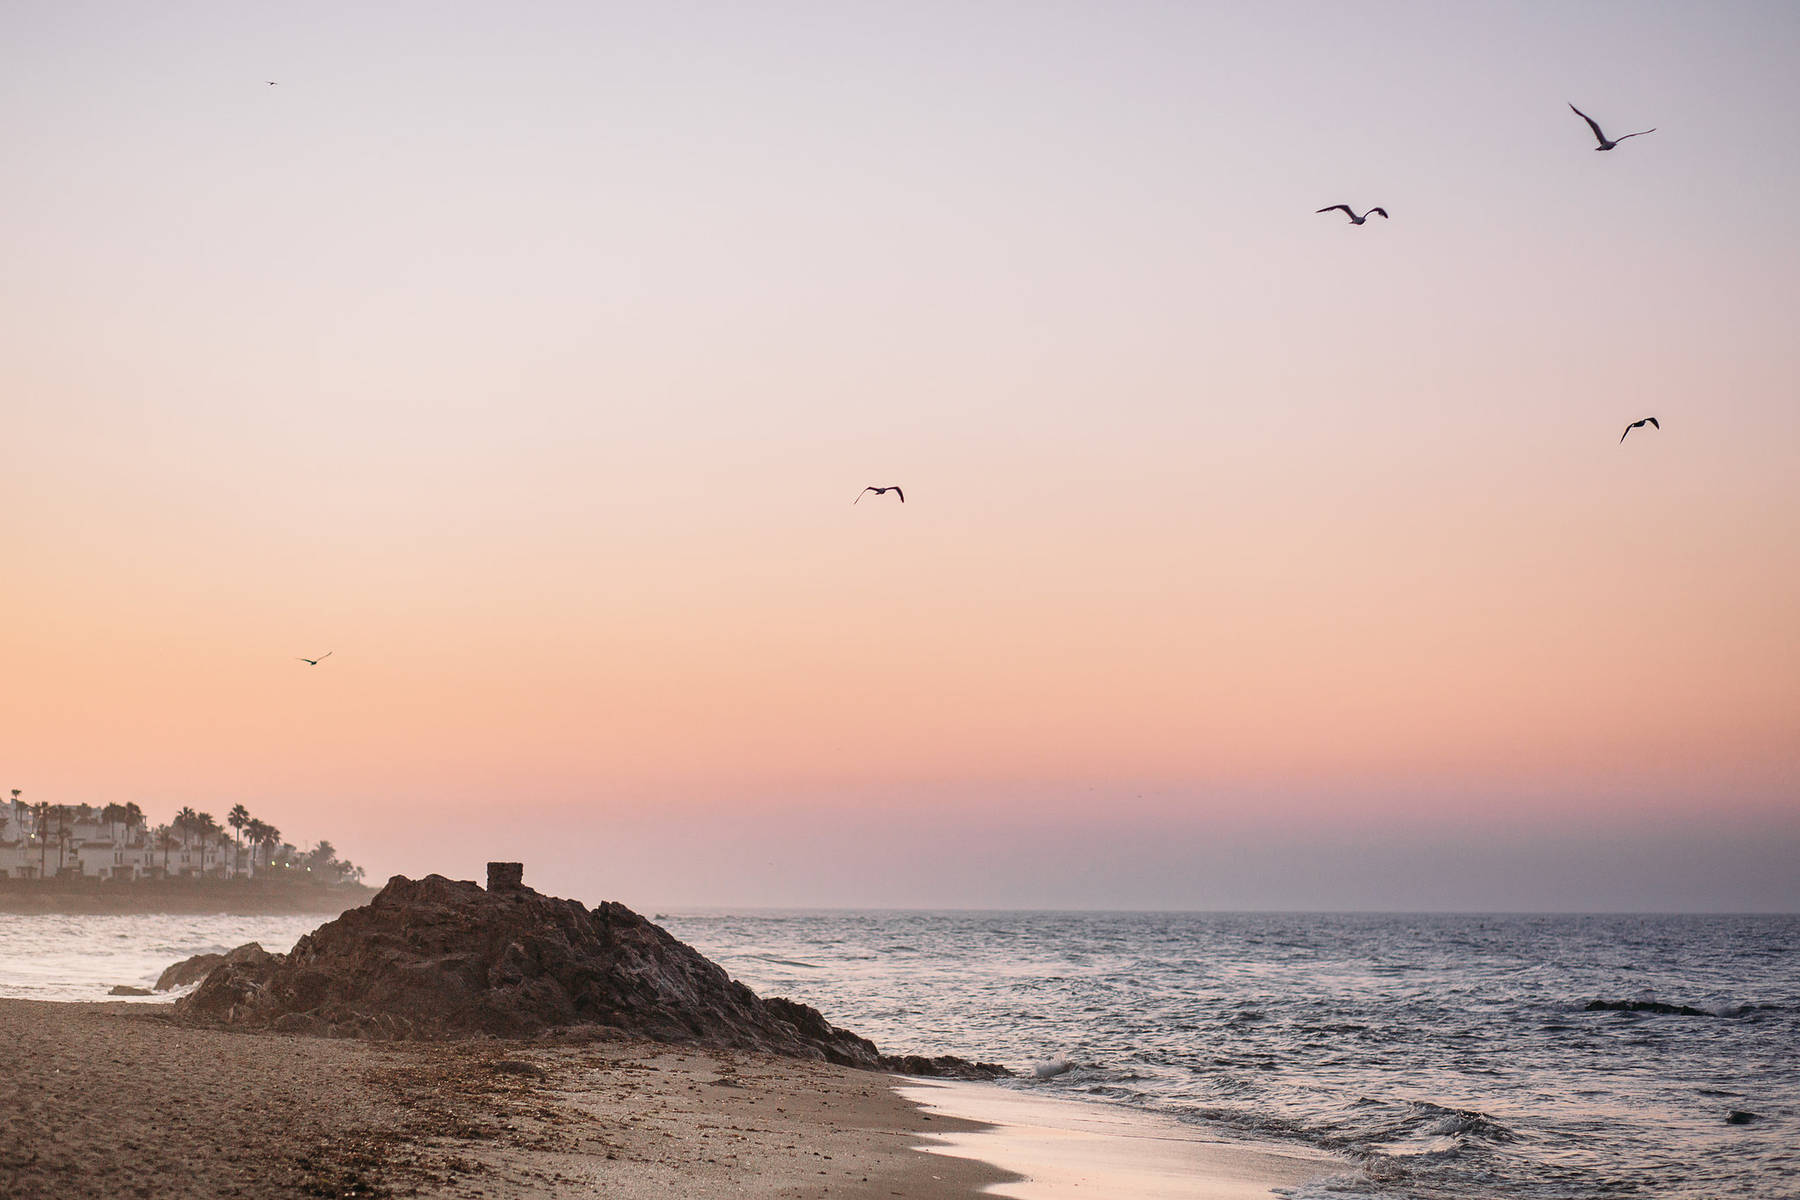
(1653, 422)
(313, 662)
(895, 488)
(270, 82)
(1351, 213)
(1601, 137)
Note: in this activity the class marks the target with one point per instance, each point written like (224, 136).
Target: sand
(115, 1100)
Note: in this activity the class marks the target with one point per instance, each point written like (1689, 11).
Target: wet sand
(115, 1100)
(1067, 1150)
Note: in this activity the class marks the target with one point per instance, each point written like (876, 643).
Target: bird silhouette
(1606, 144)
(270, 82)
(1653, 421)
(1351, 213)
(880, 491)
(313, 662)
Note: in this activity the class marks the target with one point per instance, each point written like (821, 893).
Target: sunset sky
(529, 357)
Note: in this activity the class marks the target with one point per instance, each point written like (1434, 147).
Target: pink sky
(531, 362)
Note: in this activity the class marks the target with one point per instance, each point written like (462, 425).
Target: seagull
(1351, 213)
(1601, 137)
(1635, 424)
(270, 82)
(895, 488)
(313, 662)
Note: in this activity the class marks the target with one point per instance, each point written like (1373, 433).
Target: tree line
(255, 845)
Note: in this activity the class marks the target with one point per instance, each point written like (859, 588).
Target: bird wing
(1382, 211)
(1639, 133)
(325, 655)
(901, 494)
(1598, 136)
(1653, 421)
(861, 494)
(297, 658)
(1335, 207)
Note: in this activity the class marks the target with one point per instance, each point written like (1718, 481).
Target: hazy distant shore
(105, 1100)
(239, 897)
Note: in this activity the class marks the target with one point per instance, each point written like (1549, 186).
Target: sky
(528, 358)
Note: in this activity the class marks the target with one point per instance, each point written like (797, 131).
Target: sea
(1434, 1056)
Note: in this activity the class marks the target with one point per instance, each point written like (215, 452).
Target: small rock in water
(125, 989)
(1648, 1006)
(1740, 1117)
(1052, 1067)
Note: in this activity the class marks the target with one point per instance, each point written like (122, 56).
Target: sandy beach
(111, 1100)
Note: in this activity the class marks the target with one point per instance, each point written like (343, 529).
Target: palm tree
(271, 840)
(134, 816)
(63, 836)
(184, 824)
(40, 826)
(237, 819)
(165, 839)
(253, 831)
(210, 833)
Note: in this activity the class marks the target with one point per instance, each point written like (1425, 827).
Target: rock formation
(190, 970)
(437, 958)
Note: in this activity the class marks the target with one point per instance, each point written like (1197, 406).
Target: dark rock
(1740, 1117)
(1649, 1006)
(198, 967)
(436, 958)
(125, 989)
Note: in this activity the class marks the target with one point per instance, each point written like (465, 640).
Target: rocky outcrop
(436, 958)
(1649, 1006)
(192, 970)
(126, 989)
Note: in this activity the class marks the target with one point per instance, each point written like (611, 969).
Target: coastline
(118, 1100)
(184, 897)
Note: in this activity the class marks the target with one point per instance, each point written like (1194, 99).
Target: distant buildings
(52, 841)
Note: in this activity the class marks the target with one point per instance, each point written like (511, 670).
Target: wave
(1461, 1123)
(786, 962)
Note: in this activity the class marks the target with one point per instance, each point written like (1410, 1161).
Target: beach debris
(193, 970)
(437, 958)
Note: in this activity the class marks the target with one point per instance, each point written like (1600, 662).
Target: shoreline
(117, 1100)
(1061, 1148)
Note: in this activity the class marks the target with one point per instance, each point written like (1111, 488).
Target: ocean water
(80, 957)
(1435, 1056)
